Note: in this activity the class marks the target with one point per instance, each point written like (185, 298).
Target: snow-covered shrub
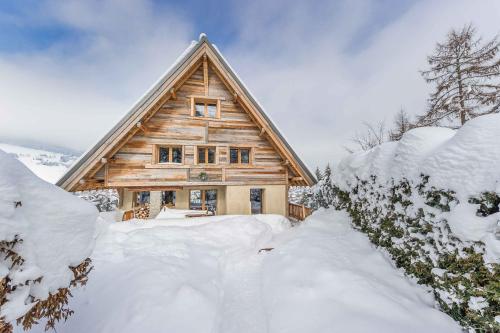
(431, 201)
(105, 200)
(46, 236)
(408, 219)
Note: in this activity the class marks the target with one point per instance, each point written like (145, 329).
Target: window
(203, 200)
(141, 198)
(170, 155)
(204, 107)
(206, 155)
(212, 110)
(239, 155)
(199, 110)
(256, 200)
(168, 198)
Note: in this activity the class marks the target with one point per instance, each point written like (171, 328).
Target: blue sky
(70, 69)
(22, 30)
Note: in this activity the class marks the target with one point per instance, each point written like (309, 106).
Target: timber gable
(165, 122)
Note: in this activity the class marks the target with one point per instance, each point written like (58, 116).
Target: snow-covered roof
(158, 88)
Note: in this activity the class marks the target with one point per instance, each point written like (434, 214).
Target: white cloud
(320, 70)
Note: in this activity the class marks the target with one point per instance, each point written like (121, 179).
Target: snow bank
(207, 275)
(329, 278)
(56, 228)
(465, 161)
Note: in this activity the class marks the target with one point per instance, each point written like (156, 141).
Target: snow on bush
(432, 201)
(106, 200)
(46, 235)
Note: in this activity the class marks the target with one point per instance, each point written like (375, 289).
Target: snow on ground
(56, 228)
(49, 166)
(207, 275)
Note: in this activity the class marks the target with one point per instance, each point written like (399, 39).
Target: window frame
(206, 101)
(239, 149)
(207, 148)
(170, 154)
(203, 198)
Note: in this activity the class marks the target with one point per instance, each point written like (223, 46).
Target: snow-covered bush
(105, 200)
(431, 201)
(46, 236)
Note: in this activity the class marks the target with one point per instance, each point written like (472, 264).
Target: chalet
(197, 140)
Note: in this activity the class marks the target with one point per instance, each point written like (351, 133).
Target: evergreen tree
(466, 74)
(324, 192)
(318, 174)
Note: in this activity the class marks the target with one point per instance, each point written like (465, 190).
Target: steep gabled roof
(163, 86)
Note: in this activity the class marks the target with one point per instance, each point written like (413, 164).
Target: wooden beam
(142, 127)
(205, 73)
(172, 92)
(297, 179)
(285, 162)
(262, 131)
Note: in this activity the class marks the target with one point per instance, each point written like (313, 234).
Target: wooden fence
(298, 212)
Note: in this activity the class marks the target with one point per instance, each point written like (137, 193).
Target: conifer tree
(325, 193)
(466, 74)
(318, 174)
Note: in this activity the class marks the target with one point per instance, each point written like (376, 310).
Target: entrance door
(203, 200)
(256, 200)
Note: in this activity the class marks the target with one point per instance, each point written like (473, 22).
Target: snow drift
(207, 275)
(466, 160)
(56, 230)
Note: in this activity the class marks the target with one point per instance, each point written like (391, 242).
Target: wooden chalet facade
(196, 140)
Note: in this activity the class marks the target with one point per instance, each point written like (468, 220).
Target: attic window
(205, 107)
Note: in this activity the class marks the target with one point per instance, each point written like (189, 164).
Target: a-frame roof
(167, 85)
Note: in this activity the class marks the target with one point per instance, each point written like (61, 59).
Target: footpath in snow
(206, 275)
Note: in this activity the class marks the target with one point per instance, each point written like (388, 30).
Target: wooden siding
(134, 164)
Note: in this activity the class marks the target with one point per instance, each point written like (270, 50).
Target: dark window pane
(199, 110)
(211, 200)
(142, 198)
(201, 155)
(245, 155)
(233, 155)
(256, 200)
(211, 155)
(177, 155)
(168, 198)
(212, 110)
(195, 200)
(163, 155)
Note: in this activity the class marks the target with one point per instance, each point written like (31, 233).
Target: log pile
(142, 212)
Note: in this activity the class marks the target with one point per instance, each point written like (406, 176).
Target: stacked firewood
(142, 212)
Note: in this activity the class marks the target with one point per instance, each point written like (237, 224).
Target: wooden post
(205, 73)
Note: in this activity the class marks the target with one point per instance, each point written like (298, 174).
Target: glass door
(203, 200)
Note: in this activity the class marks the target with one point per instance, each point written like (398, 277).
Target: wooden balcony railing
(298, 212)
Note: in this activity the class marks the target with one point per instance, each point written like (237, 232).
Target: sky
(69, 70)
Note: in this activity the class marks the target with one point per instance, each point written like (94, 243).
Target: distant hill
(48, 165)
